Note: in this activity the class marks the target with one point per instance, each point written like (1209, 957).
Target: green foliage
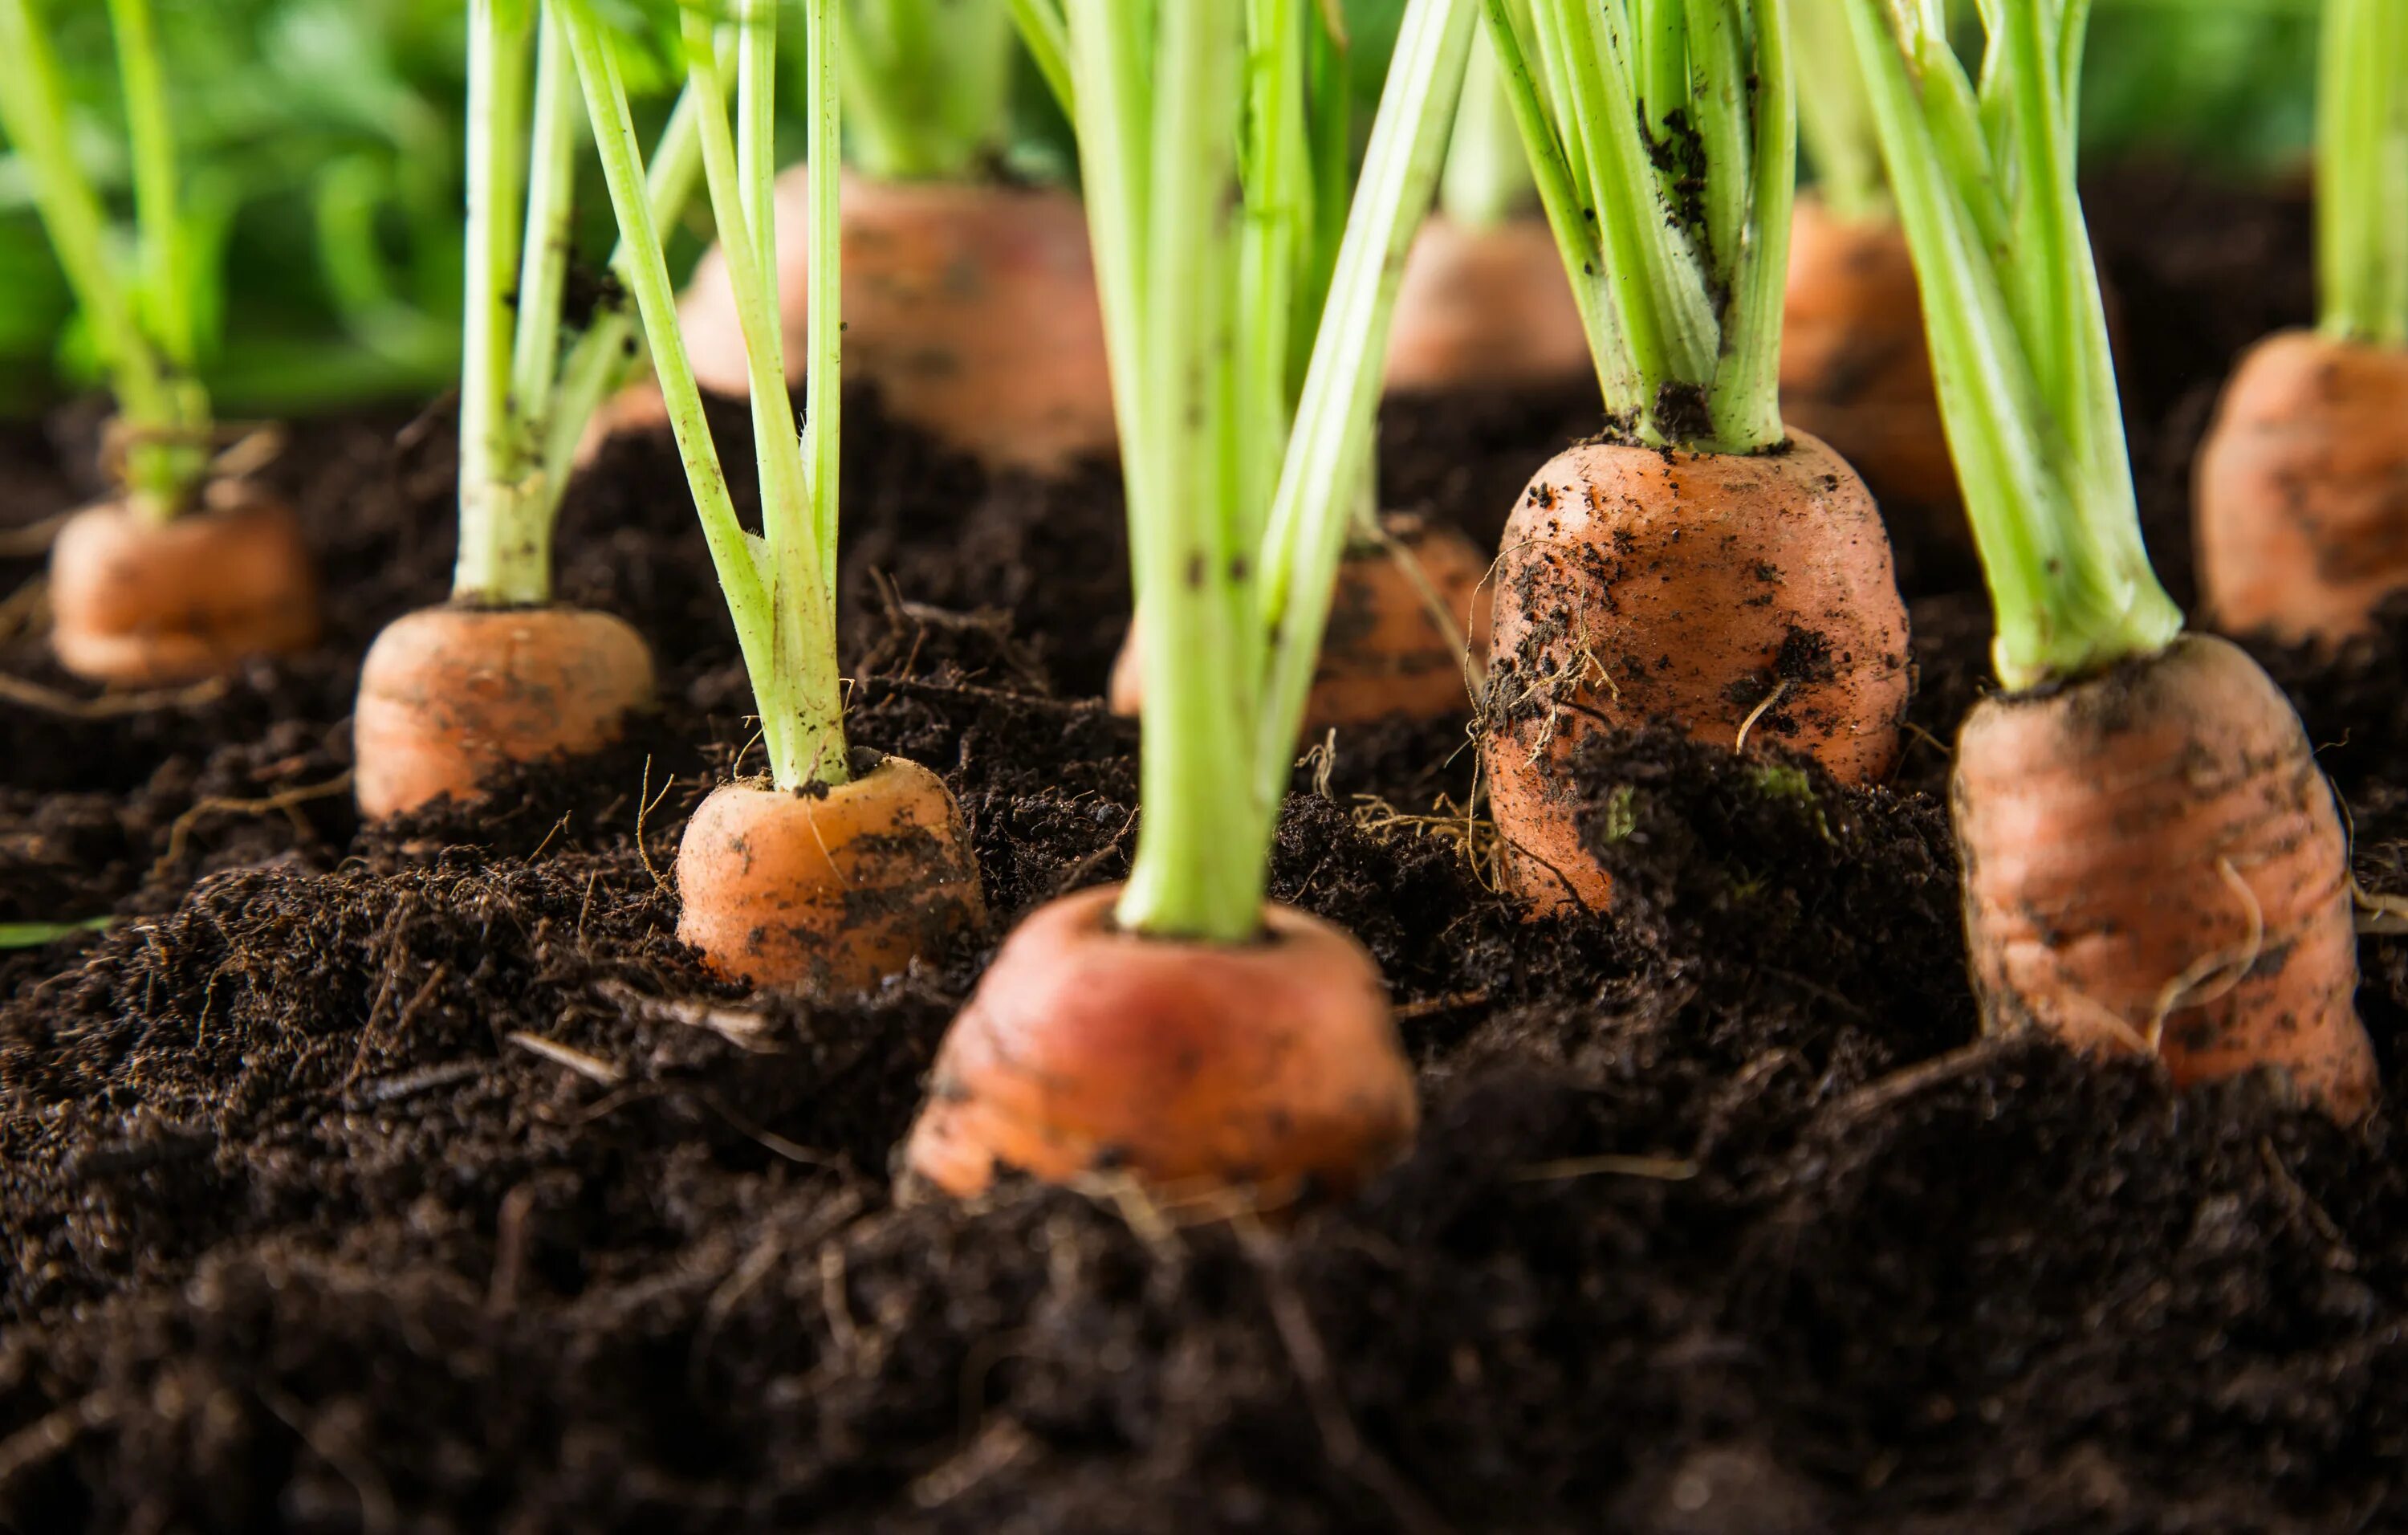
(1984, 185)
(2362, 171)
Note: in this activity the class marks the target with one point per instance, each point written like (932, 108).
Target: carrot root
(449, 696)
(1486, 309)
(2302, 490)
(1639, 587)
(1087, 1050)
(971, 306)
(2153, 861)
(831, 890)
(142, 604)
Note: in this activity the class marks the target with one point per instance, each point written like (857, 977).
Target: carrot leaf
(2363, 170)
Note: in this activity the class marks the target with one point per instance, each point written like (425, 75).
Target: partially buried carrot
(1182, 1030)
(1702, 565)
(2153, 864)
(138, 602)
(451, 696)
(503, 673)
(828, 889)
(2301, 492)
(1088, 1049)
(1406, 622)
(1739, 596)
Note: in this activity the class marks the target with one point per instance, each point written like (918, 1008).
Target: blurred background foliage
(321, 151)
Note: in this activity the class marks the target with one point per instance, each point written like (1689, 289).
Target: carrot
(1484, 308)
(1181, 1028)
(1737, 596)
(1089, 1050)
(1397, 642)
(2301, 492)
(138, 602)
(2152, 862)
(971, 306)
(1702, 564)
(830, 890)
(1853, 368)
(449, 695)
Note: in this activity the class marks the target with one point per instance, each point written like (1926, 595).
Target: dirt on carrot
(365, 1179)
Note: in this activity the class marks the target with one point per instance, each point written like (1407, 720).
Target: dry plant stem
(449, 696)
(1637, 586)
(140, 603)
(1090, 1050)
(2153, 861)
(827, 891)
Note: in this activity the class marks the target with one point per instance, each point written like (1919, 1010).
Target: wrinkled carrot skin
(1855, 369)
(2302, 490)
(1090, 1050)
(2108, 830)
(143, 603)
(451, 696)
(1384, 653)
(1638, 585)
(829, 891)
(1486, 309)
(973, 308)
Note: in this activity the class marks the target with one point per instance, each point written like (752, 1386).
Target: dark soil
(416, 1180)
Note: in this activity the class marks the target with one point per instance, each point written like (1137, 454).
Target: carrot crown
(926, 85)
(2362, 171)
(780, 583)
(1984, 185)
(1208, 204)
(1664, 139)
(148, 324)
(1834, 121)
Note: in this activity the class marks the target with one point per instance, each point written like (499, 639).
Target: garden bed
(415, 1179)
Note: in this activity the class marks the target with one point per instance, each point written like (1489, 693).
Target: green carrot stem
(1487, 178)
(1834, 120)
(2362, 171)
(928, 84)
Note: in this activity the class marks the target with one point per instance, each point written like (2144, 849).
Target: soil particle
(414, 1178)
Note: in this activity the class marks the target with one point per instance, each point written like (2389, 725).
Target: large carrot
(2152, 862)
(1700, 565)
(502, 674)
(970, 301)
(827, 874)
(2303, 483)
(175, 580)
(1182, 1029)
(1485, 304)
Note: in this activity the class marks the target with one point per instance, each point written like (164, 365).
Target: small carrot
(2152, 862)
(1407, 612)
(827, 891)
(1182, 1029)
(449, 695)
(180, 579)
(141, 603)
(970, 306)
(1702, 564)
(1485, 304)
(502, 673)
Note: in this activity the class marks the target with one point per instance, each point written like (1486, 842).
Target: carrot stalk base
(827, 891)
(1732, 596)
(1088, 1051)
(451, 696)
(2153, 863)
(2302, 499)
(140, 603)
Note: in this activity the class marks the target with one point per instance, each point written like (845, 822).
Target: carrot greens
(1984, 179)
(2362, 171)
